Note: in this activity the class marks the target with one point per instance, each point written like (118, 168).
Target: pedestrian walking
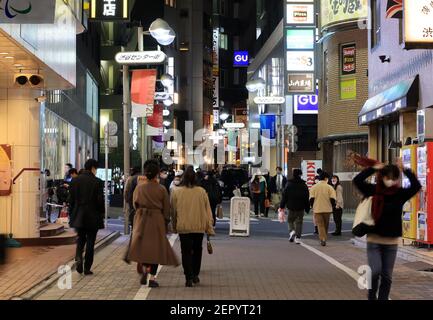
(67, 178)
(86, 198)
(191, 219)
(338, 210)
(176, 181)
(316, 181)
(296, 199)
(267, 194)
(149, 245)
(387, 211)
(322, 200)
(163, 179)
(213, 190)
(258, 193)
(276, 187)
(130, 185)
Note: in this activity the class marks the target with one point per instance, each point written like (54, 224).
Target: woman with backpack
(388, 199)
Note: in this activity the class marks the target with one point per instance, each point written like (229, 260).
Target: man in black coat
(276, 187)
(296, 199)
(86, 198)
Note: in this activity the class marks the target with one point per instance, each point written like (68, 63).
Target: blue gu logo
(11, 11)
(241, 58)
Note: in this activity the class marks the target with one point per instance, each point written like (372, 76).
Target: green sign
(348, 89)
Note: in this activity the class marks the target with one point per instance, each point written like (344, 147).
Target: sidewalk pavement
(28, 266)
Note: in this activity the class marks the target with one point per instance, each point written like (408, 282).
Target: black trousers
(87, 238)
(192, 247)
(213, 208)
(338, 214)
(259, 201)
(151, 268)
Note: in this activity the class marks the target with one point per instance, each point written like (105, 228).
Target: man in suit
(86, 199)
(276, 187)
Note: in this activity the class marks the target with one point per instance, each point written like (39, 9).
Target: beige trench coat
(149, 244)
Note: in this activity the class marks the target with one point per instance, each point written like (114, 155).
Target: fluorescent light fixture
(4, 53)
(176, 98)
(9, 57)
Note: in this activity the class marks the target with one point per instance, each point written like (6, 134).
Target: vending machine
(410, 209)
(425, 209)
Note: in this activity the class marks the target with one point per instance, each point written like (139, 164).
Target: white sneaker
(292, 236)
(298, 240)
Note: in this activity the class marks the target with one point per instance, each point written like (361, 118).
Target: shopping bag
(209, 245)
(363, 222)
(63, 216)
(220, 214)
(281, 216)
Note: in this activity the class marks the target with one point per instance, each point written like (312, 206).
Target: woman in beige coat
(192, 217)
(149, 244)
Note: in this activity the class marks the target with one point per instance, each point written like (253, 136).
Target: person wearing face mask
(163, 179)
(387, 210)
(338, 210)
(176, 181)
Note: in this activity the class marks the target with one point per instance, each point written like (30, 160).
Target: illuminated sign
(307, 104)
(418, 24)
(229, 125)
(241, 59)
(269, 100)
(109, 10)
(300, 38)
(300, 83)
(335, 12)
(215, 69)
(140, 57)
(28, 11)
(300, 61)
(348, 59)
(348, 89)
(300, 14)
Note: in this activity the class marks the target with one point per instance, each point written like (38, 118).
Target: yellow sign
(348, 89)
(334, 12)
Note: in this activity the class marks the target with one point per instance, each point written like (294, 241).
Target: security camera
(32, 80)
(384, 58)
(41, 99)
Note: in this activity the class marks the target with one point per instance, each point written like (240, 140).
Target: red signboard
(5, 170)
(155, 122)
(348, 54)
(143, 88)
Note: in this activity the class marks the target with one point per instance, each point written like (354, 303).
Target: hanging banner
(27, 11)
(5, 170)
(268, 122)
(143, 92)
(155, 122)
(215, 71)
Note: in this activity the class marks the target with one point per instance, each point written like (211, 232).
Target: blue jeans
(381, 259)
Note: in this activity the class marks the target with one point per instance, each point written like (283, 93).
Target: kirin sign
(241, 59)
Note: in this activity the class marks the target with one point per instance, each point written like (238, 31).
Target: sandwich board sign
(240, 216)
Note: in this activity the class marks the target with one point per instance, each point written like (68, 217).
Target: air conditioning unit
(28, 80)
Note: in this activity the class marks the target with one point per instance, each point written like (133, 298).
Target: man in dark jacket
(276, 187)
(296, 199)
(214, 193)
(86, 198)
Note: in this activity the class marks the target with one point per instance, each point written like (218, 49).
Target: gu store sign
(418, 23)
(109, 10)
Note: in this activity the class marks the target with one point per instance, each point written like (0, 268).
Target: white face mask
(390, 183)
(334, 182)
(176, 182)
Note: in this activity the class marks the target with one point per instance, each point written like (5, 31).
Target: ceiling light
(4, 53)
(9, 57)
(18, 65)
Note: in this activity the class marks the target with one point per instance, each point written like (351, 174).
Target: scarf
(381, 191)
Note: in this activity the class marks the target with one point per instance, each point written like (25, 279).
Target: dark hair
(338, 180)
(324, 175)
(189, 178)
(47, 172)
(279, 168)
(91, 163)
(151, 169)
(81, 171)
(69, 165)
(297, 173)
(390, 171)
(72, 171)
(135, 170)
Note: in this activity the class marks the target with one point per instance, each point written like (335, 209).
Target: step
(43, 222)
(51, 230)
(67, 237)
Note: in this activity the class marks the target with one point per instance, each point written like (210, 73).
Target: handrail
(22, 171)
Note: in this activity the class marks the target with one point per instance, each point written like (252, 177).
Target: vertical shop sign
(5, 170)
(348, 59)
(155, 122)
(215, 72)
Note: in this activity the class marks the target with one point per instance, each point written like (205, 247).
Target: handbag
(363, 222)
(209, 245)
(267, 203)
(220, 213)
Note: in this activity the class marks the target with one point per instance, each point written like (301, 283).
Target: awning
(401, 96)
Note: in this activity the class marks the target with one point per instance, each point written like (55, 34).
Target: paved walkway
(27, 266)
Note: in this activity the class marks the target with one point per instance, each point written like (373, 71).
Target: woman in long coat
(150, 246)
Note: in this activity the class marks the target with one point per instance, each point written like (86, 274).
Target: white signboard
(27, 11)
(112, 128)
(113, 142)
(269, 100)
(309, 171)
(140, 57)
(215, 69)
(240, 217)
(418, 22)
(300, 14)
(216, 116)
(229, 125)
(300, 60)
(161, 96)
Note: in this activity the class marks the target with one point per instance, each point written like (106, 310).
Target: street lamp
(224, 116)
(168, 102)
(167, 80)
(162, 32)
(255, 85)
(166, 123)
